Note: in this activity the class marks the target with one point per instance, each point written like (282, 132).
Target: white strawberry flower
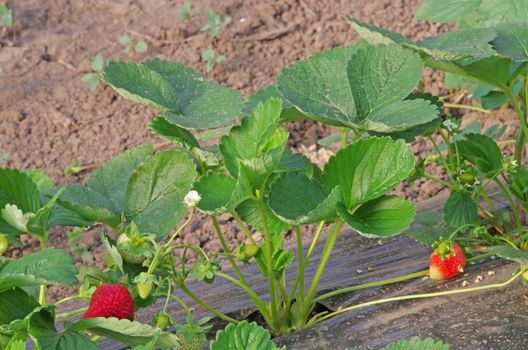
(192, 198)
(450, 125)
(15, 217)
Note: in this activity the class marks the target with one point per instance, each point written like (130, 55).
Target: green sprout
(6, 16)
(215, 23)
(130, 46)
(186, 10)
(92, 79)
(211, 59)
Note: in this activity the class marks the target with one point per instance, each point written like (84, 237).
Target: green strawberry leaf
(15, 304)
(128, 332)
(140, 84)
(427, 228)
(519, 184)
(446, 11)
(202, 104)
(512, 41)
(382, 217)
(40, 326)
(250, 213)
(173, 132)
(255, 137)
(47, 266)
(89, 204)
(381, 75)
(243, 336)
(460, 209)
(368, 168)
(319, 87)
(216, 190)
(297, 200)
(499, 11)
(103, 199)
(481, 151)
(510, 253)
(257, 170)
(41, 180)
(453, 45)
(112, 178)
(288, 113)
(417, 343)
(155, 192)
(17, 188)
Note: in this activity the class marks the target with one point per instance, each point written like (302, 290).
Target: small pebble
(478, 279)
(380, 242)
(370, 269)
(491, 273)
(359, 271)
(465, 284)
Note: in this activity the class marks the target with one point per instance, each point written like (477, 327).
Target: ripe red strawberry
(111, 300)
(447, 261)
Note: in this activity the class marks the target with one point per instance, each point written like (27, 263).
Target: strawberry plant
(474, 161)
(230, 157)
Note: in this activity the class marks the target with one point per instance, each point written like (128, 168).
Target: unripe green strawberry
(4, 243)
(195, 341)
(447, 261)
(163, 320)
(145, 289)
(467, 178)
(145, 284)
(123, 246)
(245, 252)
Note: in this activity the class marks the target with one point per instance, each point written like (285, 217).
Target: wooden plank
(358, 260)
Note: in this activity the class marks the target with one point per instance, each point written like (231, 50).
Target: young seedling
(211, 59)
(130, 46)
(6, 16)
(186, 10)
(215, 23)
(94, 78)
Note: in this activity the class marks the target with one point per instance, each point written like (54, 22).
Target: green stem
(344, 135)
(42, 290)
(314, 242)
(269, 263)
(463, 227)
(372, 284)
(203, 304)
(514, 208)
(327, 251)
(70, 298)
(71, 313)
(160, 251)
(243, 227)
(307, 258)
(442, 159)
(182, 303)
(468, 107)
(228, 252)
(519, 145)
(417, 296)
(261, 305)
(438, 180)
(300, 259)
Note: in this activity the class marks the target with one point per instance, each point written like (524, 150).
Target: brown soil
(49, 118)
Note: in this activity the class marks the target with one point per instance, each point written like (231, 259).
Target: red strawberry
(111, 300)
(447, 261)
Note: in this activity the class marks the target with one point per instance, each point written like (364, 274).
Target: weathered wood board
(492, 320)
